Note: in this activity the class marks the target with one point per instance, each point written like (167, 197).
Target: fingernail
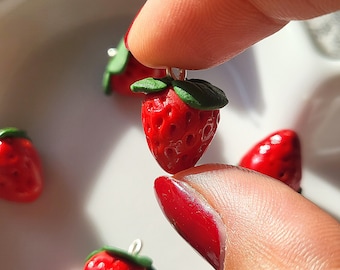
(193, 218)
(126, 36)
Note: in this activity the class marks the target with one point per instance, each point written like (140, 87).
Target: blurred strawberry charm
(123, 69)
(21, 178)
(179, 118)
(279, 156)
(111, 258)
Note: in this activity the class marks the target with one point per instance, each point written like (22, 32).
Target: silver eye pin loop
(176, 73)
(135, 247)
(112, 52)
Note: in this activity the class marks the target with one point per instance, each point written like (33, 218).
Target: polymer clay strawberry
(21, 177)
(180, 118)
(111, 258)
(123, 69)
(279, 156)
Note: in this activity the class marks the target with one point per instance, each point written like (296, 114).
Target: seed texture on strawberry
(179, 118)
(21, 177)
(123, 69)
(279, 156)
(111, 258)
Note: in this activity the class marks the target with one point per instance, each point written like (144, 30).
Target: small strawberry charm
(278, 156)
(123, 69)
(21, 177)
(179, 118)
(111, 258)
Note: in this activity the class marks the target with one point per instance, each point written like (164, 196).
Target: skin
(268, 225)
(193, 34)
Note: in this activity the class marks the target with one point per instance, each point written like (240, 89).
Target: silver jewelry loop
(182, 73)
(135, 247)
(112, 52)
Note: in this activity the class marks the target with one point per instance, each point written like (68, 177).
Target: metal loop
(112, 52)
(135, 247)
(182, 73)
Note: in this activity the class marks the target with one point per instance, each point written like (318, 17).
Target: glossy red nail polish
(128, 30)
(192, 217)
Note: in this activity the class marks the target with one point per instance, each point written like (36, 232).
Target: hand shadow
(319, 129)
(239, 79)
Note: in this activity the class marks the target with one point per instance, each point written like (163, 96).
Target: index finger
(195, 34)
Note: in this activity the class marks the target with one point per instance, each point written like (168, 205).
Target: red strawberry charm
(111, 258)
(123, 69)
(179, 118)
(278, 156)
(21, 177)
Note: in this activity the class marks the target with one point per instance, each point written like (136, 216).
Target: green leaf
(106, 83)
(117, 63)
(12, 132)
(200, 94)
(150, 85)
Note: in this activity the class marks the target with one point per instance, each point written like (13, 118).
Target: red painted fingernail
(193, 218)
(126, 36)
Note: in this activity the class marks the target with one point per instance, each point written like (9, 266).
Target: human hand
(238, 219)
(193, 34)
(235, 218)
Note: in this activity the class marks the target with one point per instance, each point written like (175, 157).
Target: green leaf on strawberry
(142, 261)
(12, 132)
(200, 94)
(151, 85)
(116, 64)
(196, 93)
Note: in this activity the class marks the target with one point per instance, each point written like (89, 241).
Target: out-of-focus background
(98, 170)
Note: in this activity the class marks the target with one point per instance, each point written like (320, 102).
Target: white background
(98, 171)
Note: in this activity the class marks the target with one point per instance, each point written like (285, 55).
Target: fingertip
(195, 34)
(267, 222)
(160, 36)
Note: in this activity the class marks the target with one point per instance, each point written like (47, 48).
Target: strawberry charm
(123, 69)
(21, 177)
(179, 118)
(111, 258)
(279, 156)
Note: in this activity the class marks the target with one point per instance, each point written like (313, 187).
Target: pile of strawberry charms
(180, 117)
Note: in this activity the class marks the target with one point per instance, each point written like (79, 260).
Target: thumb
(193, 34)
(238, 219)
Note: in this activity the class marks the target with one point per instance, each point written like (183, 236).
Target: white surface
(99, 172)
